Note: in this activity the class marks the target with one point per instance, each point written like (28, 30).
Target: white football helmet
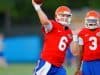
(63, 15)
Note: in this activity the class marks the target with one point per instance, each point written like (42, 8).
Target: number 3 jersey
(90, 39)
(56, 42)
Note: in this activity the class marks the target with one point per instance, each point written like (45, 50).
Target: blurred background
(21, 31)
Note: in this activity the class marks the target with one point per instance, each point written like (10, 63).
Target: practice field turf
(24, 69)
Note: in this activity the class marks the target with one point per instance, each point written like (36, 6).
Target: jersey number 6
(63, 43)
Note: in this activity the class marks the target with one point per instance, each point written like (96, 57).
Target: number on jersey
(93, 45)
(63, 43)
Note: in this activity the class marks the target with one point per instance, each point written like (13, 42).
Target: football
(38, 1)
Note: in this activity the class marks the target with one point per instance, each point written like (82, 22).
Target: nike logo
(59, 31)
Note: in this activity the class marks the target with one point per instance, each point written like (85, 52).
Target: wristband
(75, 38)
(37, 7)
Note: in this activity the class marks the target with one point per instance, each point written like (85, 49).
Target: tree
(6, 7)
(94, 4)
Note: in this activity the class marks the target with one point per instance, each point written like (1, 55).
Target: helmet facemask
(91, 23)
(92, 20)
(63, 18)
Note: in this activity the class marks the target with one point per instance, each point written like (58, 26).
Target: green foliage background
(23, 8)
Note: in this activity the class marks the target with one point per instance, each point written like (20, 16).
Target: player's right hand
(35, 5)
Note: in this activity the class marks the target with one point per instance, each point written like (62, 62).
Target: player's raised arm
(42, 16)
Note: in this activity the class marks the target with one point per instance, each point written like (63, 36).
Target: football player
(57, 38)
(88, 45)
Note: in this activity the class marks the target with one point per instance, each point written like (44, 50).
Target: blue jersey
(91, 67)
(45, 68)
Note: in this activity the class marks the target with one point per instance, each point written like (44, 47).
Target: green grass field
(24, 69)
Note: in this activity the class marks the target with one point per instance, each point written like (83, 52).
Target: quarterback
(57, 38)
